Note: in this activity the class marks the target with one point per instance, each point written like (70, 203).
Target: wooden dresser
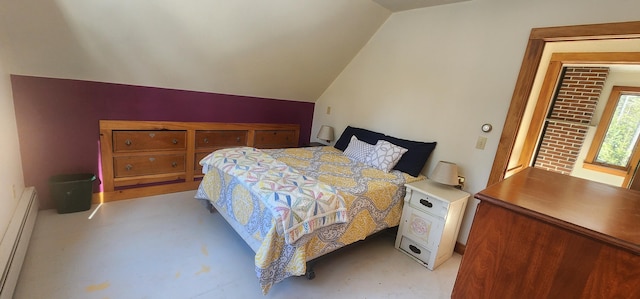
(142, 158)
(540, 234)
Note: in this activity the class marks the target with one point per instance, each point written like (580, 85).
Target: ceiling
(285, 49)
(400, 5)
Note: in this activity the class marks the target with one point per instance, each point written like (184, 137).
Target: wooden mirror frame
(532, 57)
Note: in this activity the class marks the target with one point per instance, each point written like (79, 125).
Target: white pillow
(385, 155)
(358, 150)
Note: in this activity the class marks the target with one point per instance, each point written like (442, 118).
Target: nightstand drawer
(422, 228)
(428, 204)
(414, 249)
(431, 219)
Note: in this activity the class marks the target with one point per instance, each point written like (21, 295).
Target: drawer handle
(237, 139)
(128, 167)
(175, 141)
(206, 140)
(174, 164)
(426, 203)
(415, 250)
(127, 142)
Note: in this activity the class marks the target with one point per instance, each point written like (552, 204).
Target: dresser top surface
(610, 214)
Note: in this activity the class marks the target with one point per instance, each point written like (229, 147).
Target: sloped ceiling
(283, 49)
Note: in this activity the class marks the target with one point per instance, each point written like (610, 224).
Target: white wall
(439, 73)
(11, 178)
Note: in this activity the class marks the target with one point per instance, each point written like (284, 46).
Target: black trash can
(72, 192)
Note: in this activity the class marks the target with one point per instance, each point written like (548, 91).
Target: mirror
(539, 39)
(560, 125)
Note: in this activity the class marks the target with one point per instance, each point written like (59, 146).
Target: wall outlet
(482, 141)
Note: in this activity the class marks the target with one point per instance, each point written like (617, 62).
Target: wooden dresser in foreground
(142, 158)
(540, 234)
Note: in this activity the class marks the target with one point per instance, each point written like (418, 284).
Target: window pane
(622, 133)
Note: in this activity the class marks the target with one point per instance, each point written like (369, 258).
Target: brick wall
(569, 119)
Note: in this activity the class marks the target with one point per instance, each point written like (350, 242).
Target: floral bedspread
(372, 197)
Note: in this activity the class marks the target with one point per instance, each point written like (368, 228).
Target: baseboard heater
(13, 246)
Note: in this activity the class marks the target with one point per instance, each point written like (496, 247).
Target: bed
(354, 198)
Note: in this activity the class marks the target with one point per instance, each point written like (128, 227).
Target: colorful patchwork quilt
(373, 201)
(301, 203)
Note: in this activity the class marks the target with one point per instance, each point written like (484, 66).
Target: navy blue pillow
(411, 162)
(365, 135)
(416, 156)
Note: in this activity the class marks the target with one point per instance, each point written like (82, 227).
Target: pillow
(358, 150)
(416, 156)
(411, 162)
(365, 135)
(385, 155)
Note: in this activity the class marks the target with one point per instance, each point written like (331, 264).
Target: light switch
(328, 109)
(482, 141)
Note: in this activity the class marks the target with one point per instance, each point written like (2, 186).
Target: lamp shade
(325, 133)
(445, 173)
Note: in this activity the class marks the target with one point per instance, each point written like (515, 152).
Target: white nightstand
(430, 222)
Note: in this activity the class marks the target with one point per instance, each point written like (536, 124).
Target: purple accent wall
(58, 126)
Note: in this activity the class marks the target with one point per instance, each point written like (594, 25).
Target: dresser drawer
(227, 138)
(148, 164)
(416, 250)
(429, 204)
(422, 228)
(132, 141)
(275, 139)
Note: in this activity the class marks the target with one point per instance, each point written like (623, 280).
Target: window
(614, 143)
